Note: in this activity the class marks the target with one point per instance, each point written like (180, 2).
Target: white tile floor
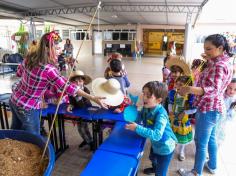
(73, 161)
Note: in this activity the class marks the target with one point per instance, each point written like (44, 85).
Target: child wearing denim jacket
(156, 126)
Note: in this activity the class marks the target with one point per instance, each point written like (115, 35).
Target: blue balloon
(130, 113)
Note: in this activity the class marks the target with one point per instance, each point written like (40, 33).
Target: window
(132, 36)
(65, 34)
(107, 35)
(116, 36)
(123, 36)
(79, 35)
(39, 34)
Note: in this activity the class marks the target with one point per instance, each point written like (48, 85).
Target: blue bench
(124, 141)
(119, 155)
(105, 163)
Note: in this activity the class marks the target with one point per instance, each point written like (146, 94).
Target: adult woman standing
(38, 73)
(209, 90)
(68, 48)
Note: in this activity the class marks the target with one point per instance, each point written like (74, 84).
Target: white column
(187, 53)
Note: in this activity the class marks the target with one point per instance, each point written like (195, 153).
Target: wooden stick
(55, 115)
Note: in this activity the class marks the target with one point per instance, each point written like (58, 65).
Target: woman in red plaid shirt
(210, 90)
(38, 72)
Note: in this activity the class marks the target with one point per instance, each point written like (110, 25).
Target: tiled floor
(72, 162)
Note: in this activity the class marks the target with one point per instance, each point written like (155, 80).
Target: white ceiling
(170, 12)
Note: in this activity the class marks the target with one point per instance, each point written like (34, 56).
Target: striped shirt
(214, 81)
(33, 83)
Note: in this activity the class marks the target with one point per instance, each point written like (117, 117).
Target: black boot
(82, 144)
(43, 132)
(149, 171)
(91, 145)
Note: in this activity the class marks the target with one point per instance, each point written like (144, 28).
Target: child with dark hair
(116, 73)
(177, 67)
(108, 71)
(80, 79)
(153, 123)
(180, 107)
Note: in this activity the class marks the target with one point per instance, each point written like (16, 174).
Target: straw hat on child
(109, 88)
(180, 62)
(79, 73)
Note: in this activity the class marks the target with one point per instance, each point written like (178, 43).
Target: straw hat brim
(87, 79)
(111, 99)
(175, 60)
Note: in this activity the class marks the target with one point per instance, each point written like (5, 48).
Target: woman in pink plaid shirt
(38, 72)
(210, 90)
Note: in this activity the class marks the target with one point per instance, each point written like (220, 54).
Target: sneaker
(212, 171)
(181, 157)
(82, 144)
(149, 171)
(183, 172)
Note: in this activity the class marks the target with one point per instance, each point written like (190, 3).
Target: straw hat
(179, 61)
(109, 88)
(79, 73)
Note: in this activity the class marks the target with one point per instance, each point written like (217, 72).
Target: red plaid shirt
(33, 83)
(214, 81)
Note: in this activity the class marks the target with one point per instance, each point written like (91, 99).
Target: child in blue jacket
(156, 126)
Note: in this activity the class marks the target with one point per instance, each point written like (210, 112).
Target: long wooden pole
(55, 115)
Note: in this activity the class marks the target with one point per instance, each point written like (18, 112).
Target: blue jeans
(205, 137)
(163, 162)
(27, 120)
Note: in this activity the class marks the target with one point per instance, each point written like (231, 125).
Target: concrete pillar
(188, 42)
(32, 31)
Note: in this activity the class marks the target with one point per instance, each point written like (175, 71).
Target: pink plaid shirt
(214, 80)
(29, 90)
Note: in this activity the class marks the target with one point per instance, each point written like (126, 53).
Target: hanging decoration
(21, 38)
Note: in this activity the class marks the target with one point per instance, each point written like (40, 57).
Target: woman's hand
(132, 126)
(99, 101)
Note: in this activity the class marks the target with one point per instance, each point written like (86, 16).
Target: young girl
(210, 90)
(177, 67)
(165, 71)
(179, 108)
(230, 100)
(80, 79)
(156, 126)
(38, 72)
(230, 114)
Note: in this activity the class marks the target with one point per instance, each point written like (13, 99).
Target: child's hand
(132, 126)
(69, 108)
(171, 114)
(180, 116)
(117, 110)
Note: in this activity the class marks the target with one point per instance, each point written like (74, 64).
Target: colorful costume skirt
(182, 129)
